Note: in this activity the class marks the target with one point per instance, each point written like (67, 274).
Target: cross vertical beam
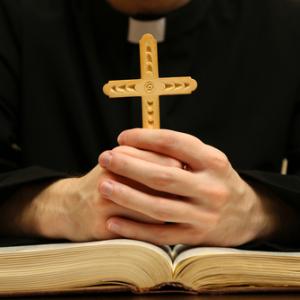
(149, 72)
(150, 86)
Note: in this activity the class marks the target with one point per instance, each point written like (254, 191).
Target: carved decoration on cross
(150, 86)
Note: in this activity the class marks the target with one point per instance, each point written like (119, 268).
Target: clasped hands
(205, 203)
(159, 186)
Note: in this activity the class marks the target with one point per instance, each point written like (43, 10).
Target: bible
(129, 265)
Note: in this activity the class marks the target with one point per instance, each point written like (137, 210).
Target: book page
(211, 268)
(186, 252)
(138, 265)
(164, 250)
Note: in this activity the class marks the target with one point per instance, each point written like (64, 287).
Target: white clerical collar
(138, 28)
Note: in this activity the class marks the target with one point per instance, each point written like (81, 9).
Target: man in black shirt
(231, 135)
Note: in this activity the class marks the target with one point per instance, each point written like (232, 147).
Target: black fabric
(55, 56)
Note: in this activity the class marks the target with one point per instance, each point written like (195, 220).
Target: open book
(142, 267)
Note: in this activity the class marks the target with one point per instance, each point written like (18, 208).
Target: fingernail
(105, 159)
(106, 188)
(120, 138)
(113, 227)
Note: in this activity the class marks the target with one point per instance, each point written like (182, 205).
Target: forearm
(69, 208)
(280, 221)
(26, 212)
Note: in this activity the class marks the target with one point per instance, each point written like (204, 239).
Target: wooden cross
(150, 86)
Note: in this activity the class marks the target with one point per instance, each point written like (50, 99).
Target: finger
(149, 156)
(181, 146)
(203, 189)
(159, 208)
(166, 234)
(160, 178)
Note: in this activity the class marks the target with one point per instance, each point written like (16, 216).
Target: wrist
(19, 211)
(50, 209)
(265, 215)
(37, 210)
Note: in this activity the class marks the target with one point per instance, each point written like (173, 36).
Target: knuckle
(161, 215)
(121, 149)
(220, 194)
(203, 189)
(196, 141)
(162, 179)
(160, 212)
(166, 142)
(220, 161)
(173, 163)
(122, 196)
(127, 150)
(118, 164)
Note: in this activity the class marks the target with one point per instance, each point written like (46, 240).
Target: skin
(73, 208)
(140, 190)
(207, 204)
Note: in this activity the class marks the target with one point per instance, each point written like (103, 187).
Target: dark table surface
(179, 296)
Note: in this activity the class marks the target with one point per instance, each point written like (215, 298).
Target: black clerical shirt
(55, 56)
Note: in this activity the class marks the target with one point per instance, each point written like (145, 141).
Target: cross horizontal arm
(141, 87)
(177, 85)
(122, 88)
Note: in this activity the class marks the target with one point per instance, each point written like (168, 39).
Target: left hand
(207, 203)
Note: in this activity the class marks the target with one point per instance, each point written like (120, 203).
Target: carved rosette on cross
(150, 86)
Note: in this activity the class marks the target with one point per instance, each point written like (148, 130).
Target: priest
(75, 165)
